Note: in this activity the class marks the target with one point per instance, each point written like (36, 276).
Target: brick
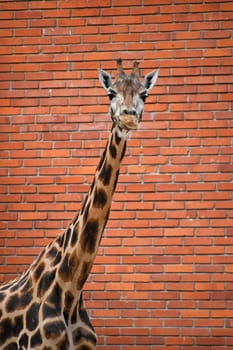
(28, 32)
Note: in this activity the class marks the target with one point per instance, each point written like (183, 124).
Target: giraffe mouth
(128, 122)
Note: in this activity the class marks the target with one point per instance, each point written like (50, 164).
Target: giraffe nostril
(129, 111)
(125, 111)
(133, 112)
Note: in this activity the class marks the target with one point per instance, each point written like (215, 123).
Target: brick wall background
(163, 278)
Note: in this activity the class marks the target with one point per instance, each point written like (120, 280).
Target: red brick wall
(163, 275)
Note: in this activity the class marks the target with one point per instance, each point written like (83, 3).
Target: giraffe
(44, 308)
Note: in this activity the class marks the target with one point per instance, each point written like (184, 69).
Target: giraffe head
(127, 94)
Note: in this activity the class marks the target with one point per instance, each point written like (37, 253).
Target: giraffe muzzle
(128, 121)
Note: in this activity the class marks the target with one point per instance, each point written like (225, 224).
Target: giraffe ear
(105, 79)
(150, 79)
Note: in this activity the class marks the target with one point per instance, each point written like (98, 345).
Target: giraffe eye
(143, 95)
(111, 94)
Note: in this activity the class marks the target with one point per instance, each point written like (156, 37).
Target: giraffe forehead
(128, 86)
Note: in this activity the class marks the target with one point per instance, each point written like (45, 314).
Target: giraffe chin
(128, 122)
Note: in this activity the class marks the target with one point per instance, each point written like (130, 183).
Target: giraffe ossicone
(43, 309)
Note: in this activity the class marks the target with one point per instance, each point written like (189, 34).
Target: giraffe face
(127, 95)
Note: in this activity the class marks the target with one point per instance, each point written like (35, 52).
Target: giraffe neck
(82, 238)
(49, 293)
